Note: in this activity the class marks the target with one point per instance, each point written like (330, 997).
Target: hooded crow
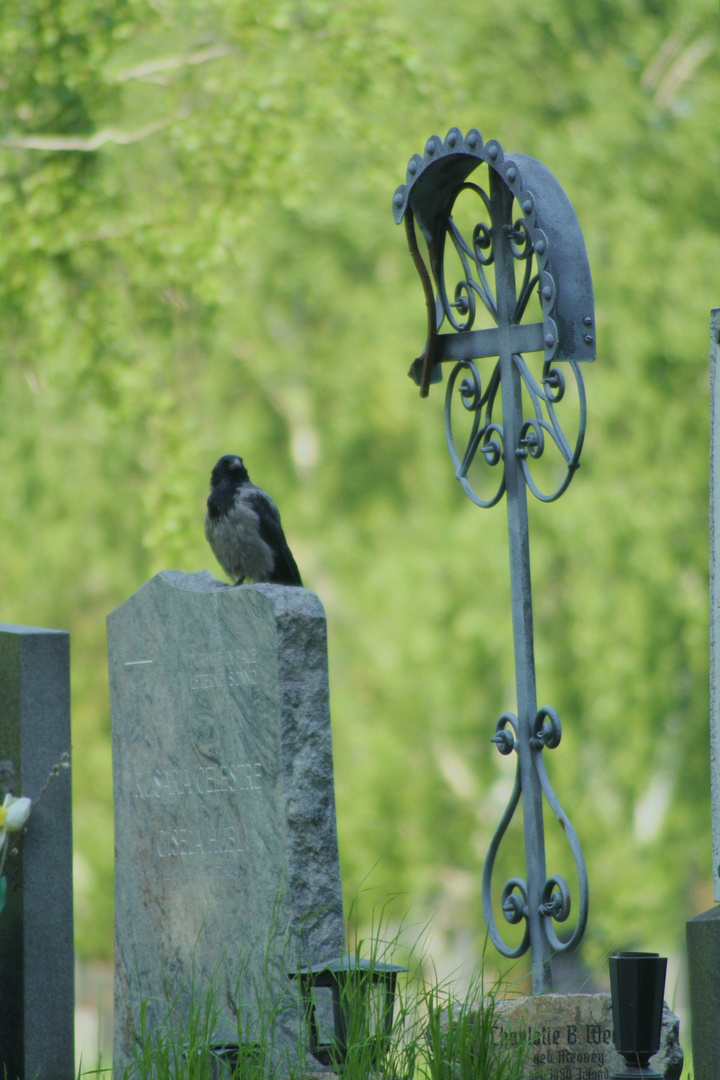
(242, 525)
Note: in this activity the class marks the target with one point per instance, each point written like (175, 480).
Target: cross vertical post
(520, 582)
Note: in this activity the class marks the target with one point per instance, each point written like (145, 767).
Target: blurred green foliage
(197, 256)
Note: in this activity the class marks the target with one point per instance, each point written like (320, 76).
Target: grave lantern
(363, 1000)
(520, 223)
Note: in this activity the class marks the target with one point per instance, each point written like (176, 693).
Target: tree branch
(172, 63)
(92, 142)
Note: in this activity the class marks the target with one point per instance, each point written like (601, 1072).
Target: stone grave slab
(37, 1036)
(715, 596)
(703, 931)
(703, 951)
(571, 1037)
(225, 829)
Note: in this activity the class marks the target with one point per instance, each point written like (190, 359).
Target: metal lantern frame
(348, 978)
(527, 229)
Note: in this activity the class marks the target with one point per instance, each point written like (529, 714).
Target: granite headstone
(570, 1037)
(36, 925)
(225, 830)
(715, 595)
(703, 944)
(703, 932)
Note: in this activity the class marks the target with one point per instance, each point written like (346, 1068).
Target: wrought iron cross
(526, 220)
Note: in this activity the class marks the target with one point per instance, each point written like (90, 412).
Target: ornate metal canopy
(548, 230)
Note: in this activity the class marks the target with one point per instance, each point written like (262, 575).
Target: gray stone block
(703, 948)
(225, 831)
(715, 596)
(571, 1037)
(36, 927)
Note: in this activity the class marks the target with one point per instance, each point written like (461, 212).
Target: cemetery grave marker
(526, 223)
(224, 800)
(523, 246)
(36, 926)
(703, 932)
(571, 1037)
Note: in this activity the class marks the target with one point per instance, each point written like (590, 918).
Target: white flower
(13, 816)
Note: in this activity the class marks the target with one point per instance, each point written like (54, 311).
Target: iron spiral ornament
(523, 253)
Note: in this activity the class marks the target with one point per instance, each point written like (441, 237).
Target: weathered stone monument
(571, 1037)
(36, 925)
(225, 830)
(703, 932)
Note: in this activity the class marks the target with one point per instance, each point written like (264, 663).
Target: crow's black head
(229, 469)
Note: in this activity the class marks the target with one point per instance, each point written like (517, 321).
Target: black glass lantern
(363, 1002)
(637, 985)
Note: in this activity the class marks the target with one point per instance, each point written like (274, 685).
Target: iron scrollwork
(485, 436)
(555, 902)
(545, 395)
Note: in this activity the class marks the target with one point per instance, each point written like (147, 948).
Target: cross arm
(476, 345)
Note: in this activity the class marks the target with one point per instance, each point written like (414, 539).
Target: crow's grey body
(243, 528)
